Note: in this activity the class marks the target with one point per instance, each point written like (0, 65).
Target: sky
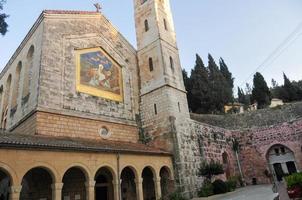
(250, 35)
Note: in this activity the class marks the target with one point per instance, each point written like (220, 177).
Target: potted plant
(294, 185)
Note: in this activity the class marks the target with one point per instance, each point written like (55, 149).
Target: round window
(104, 133)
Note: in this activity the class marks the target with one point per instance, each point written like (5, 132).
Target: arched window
(5, 102)
(171, 63)
(146, 25)
(16, 88)
(165, 24)
(151, 64)
(27, 74)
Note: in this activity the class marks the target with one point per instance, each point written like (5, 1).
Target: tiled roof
(72, 12)
(74, 144)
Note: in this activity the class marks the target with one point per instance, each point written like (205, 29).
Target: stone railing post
(90, 189)
(15, 191)
(57, 191)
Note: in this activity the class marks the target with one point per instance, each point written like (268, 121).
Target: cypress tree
(229, 79)
(219, 96)
(290, 92)
(200, 87)
(261, 93)
(3, 16)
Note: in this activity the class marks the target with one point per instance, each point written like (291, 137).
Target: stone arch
(74, 180)
(82, 167)
(37, 183)
(281, 161)
(166, 182)
(129, 181)
(27, 73)
(5, 108)
(149, 176)
(16, 88)
(10, 172)
(105, 179)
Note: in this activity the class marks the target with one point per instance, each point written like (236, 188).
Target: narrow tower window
(171, 63)
(155, 109)
(151, 64)
(165, 24)
(179, 107)
(146, 25)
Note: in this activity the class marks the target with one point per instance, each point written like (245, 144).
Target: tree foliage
(211, 169)
(261, 93)
(209, 88)
(3, 16)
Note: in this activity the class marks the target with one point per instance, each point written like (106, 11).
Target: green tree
(241, 96)
(229, 79)
(200, 87)
(211, 169)
(290, 92)
(261, 93)
(188, 86)
(3, 16)
(218, 95)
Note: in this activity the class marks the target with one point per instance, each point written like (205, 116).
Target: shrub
(294, 180)
(219, 187)
(208, 170)
(232, 183)
(176, 196)
(206, 190)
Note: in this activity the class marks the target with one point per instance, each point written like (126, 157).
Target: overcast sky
(243, 32)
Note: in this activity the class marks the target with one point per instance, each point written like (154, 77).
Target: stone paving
(259, 192)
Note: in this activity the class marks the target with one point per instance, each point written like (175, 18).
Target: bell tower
(162, 92)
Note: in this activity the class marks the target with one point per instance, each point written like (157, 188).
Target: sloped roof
(73, 12)
(8, 140)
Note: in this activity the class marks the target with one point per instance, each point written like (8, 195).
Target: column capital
(90, 183)
(57, 186)
(15, 189)
(139, 180)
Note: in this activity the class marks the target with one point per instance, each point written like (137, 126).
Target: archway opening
(74, 184)
(104, 185)
(281, 161)
(36, 184)
(4, 185)
(226, 165)
(128, 186)
(166, 183)
(148, 184)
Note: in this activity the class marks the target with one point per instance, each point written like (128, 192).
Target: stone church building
(85, 115)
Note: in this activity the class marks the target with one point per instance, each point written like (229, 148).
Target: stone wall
(63, 35)
(259, 118)
(198, 143)
(29, 75)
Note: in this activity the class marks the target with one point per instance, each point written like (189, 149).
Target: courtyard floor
(258, 192)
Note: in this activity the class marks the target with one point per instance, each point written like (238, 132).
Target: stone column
(116, 190)
(139, 189)
(15, 191)
(90, 189)
(57, 191)
(157, 188)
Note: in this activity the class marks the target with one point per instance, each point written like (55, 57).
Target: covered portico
(35, 167)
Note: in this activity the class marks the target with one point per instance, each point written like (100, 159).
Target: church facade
(87, 116)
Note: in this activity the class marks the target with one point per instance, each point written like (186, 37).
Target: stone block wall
(256, 142)
(63, 35)
(29, 70)
(198, 143)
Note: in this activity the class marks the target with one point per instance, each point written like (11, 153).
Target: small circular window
(104, 133)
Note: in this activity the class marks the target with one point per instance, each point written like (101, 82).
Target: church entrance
(281, 161)
(104, 185)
